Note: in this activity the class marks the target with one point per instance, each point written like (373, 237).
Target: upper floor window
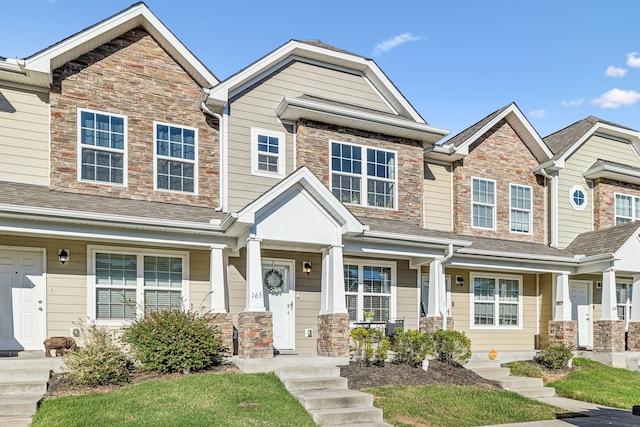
(102, 145)
(483, 201)
(267, 153)
(520, 209)
(369, 287)
(176, 164)
(578, 197)
(627, 208)
(356, 169)
(496, 301)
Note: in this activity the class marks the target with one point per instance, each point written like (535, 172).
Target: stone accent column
(333, 335)
(450, 324)
(223, 322)
(563, 332)
(634, 320)
(255, 335)
(608, 336)
(431, 323)
(634, 336)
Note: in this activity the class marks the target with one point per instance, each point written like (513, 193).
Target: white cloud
(573, 103)
(616, 72)
(394, 42)
(538, 114)
(633, 60)
(616, 98)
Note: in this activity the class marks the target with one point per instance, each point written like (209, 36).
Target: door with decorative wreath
(277, 282)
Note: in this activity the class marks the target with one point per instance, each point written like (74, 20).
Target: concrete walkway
(593, 415)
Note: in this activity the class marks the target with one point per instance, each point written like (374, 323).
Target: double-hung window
(123, 284)
(267, 153)
(496, 301)
(176, 164)
(627, 208)
(520, 209)
(356, 169)
(624, 292)
(102, 145)
(483, 201)
(370, 287)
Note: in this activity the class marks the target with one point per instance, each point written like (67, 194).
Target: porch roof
(604, 241)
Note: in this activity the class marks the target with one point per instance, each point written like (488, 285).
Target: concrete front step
(493, 373)
(515, 383)
(18, 406)
(294, 384)
(15, 421)
(536, 392)
(307, 372)
(346, 416)
(42, 363)
(24, 375)
(633, 363)
(333, 399)
(366, 424)
(23, 388)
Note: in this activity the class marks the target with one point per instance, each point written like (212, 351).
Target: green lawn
(228, 399)
(455, 406)
(618, 388)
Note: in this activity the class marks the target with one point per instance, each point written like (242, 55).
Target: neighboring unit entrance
(580, 295)
(278, 291)
(21, 300)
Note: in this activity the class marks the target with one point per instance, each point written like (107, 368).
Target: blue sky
(455, 61)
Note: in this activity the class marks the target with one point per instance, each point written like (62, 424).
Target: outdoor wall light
(460, 280)
(306, 267)
(63, 255)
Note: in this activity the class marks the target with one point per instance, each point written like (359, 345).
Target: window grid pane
(380, 193)
(162, 272)
(115, 303)
(377, 280)
(483, 313)
(104, 162)
(624, 209)
(162, 300)
(508, 314)
(174, 175)
(520, 208)
(346, 188)
(379, 305)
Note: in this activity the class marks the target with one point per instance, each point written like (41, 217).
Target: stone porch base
(563, 332)
(333, 335)
(255, 335)
(432, 324)
(223, 322)
(633, 341)
(608, 336)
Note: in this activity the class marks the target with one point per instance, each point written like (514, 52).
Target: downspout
(443, 304)
(554, 207)
(223, 143)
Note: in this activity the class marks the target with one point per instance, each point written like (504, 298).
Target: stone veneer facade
(500, 155)
(223, 322)
(255, 335)
(604, 200)
(608, 336)
(131, 76)
(432, 323)
(313, 146)
(563, 332)
(633, 341)
(333, 335)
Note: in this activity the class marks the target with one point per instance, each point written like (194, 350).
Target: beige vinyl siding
(437, 195)
(546, 305)
(572, 222)
(66, 285)
(256, 108)
(24, 136)
(407, 295)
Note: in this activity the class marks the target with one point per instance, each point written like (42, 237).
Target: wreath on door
(273, 280)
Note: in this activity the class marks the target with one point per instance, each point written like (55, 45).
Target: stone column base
(563, 332)
(255, 335)
(634, 336)
(223, 322)
(432, 324)
(608, 336)
(333, 335)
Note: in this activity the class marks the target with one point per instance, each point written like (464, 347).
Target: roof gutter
(417, 239)
(553, 181)
(222, 129)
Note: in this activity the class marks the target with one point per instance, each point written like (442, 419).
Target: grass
(456, 406)
(525, 369)
(597, 383)
(228, 399)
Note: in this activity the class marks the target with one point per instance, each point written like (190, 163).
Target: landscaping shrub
(100, 361)
(369, 346)
(174, 341)
(556, 356)
(525, 369)
(451, 347)
(411, 346)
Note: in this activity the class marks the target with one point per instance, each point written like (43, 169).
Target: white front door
(581, 310)
(21, 300)
(278, 287)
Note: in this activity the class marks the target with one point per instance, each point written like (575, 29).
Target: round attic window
(578, 197)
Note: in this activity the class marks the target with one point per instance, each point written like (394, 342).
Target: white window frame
(634, 200)
(496, 301)
(626, 304)
(282, 152)
(529, 211)
(572, 201)
(157, 157)
(93, 250)
(364, 177)
(80, 146)
(493, 206)
(361, 294)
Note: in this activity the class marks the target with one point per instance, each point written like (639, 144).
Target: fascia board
(396, 237)
(513, 265)
(514, 255)
(531, 131)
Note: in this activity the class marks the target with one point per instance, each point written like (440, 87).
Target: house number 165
(256, 295)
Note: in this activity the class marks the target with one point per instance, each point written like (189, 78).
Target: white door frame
(291, 265)
(43, 293)
(589, 321)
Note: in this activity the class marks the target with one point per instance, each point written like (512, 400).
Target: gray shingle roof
(323, 45)
(38, 196)
(603, 241)
(399, 227)
(470, 131)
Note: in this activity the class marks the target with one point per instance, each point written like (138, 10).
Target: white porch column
(332, 299)
(609, 303)
(562, 307)
(217, 277)
(635, 299)
(255, 297)
(436, 283)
